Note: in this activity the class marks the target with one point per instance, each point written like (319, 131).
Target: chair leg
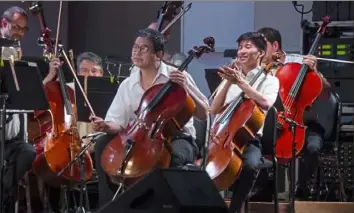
(275, 185)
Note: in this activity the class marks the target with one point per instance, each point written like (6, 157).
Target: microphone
(93, 135)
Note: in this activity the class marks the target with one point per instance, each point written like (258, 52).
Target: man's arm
(117, 116)
(265, 99)
(220, 98)
(53, 66)
(202, 105)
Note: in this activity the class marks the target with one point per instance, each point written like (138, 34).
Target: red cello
(299, 87)
(58, 141)
(164, 109)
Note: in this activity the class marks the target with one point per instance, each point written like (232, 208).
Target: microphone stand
(83, 189)
(292, 127)
(121, 188)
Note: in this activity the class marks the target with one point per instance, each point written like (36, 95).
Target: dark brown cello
(164, 109)
(59, 141)
(299, 87)
(238, 122)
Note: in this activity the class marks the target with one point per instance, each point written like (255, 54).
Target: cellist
(251, 50)
(87, 64)
(19, 155)
(314, 133)
(147, 53)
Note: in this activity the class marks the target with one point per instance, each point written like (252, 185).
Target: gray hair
(10, 12)
(90, 56)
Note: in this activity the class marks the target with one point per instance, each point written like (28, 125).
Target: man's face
(143, 54)
(90, 68)
(248, 54)
(15, 29)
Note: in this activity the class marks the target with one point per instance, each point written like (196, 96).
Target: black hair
(257, 39)
(271, 35)
(155, 36)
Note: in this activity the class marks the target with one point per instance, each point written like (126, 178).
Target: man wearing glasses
(19, 155)
(14, 23)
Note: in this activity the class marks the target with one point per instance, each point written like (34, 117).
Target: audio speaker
(170, 191)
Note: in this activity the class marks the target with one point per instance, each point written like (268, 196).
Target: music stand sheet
(100, 93)
(31, 95)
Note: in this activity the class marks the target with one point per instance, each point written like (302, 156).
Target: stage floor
(302, 207)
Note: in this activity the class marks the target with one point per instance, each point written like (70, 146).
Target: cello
(299, 87)
(238, 122)
(163, 110)
(59, 141)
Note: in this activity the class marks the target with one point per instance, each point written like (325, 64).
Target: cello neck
(64, 92)
(304, 68)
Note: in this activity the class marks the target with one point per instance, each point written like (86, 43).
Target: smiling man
(251, 50)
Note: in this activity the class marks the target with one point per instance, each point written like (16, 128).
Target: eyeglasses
(19, 28)
(143, 49)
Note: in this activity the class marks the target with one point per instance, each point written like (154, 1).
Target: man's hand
(233, 75)
(178, 77)
(98, 124)
(53, 67)
(311, 61)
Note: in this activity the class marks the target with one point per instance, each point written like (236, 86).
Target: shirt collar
(135, 77)
(252, 73)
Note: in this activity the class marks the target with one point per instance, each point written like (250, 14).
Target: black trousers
(252, 159)
(19, 157)
(312, 149)
(184, 151)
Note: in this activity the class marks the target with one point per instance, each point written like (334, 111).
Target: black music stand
(31, 96)
(213, 79)
(100, 93)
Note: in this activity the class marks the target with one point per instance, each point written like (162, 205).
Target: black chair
(269, 160)
(331, 142)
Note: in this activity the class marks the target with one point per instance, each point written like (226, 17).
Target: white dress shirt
(296, 58)
(268, 85)
(12, 128)
(130, 92)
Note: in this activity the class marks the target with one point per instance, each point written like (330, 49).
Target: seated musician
(19, 155)
(147, 53)
(251, 49)
(88, 64)
(314, 132)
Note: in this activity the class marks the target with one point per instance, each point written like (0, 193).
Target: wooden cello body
(310, 90)
(237, 124)
(62, 144)
(299, 86)
(56, 138)
(228, 139)
(164, 109)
